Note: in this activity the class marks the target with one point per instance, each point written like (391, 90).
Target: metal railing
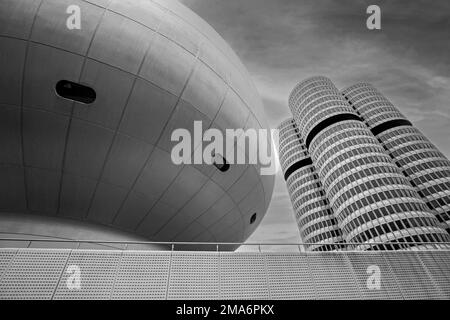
(226, 246)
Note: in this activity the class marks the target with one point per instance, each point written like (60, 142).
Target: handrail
(220, 243)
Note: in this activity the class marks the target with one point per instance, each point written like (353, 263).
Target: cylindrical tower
(371, 199)
(316, 222)
(427, 169)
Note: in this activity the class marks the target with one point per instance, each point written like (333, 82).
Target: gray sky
(285, 41)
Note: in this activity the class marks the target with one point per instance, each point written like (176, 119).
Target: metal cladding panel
(11, 64)
(19, 20)
(233, 114)
(332, 276)
(121, 42)
(167, 65)
(243, 276)
(205, 90)
(76, 195)
(186, 185)
(207, 169)
(12, 191)
(98, 270)
(134, 209)
(126, 158)
(228, 179)
(111, 274)
(87, 149)
(194, 276)
(147, 111)
(417, 282)
(212, 56)
(142, 275)
(439, 270)
(113, 88)
(256, 195)
(45, 66)
(43, 131)
(205, 236)
(175, 29)
(362, 266)
(107, 201)
(14, 244)
(156, 218)
(290, 277)
(217, 211)
(183, 117)
(230, 222)
(245, 184)
(194, 228)
(6, 257)
(10, 135)
(50, 25)
(205, 198)
(42, 190)
(157, 174)
(33, 274)
(100, 3)
(145, 12)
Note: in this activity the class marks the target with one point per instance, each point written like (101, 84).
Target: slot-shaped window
(220, 162)
(253, 218)
(75, 92)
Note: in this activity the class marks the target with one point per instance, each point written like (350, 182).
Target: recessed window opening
(220, 162)
(253, 218)
(75, 92)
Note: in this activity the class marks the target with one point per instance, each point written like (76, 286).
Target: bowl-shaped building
(90, 92)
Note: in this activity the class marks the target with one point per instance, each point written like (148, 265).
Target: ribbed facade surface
(317, 225)
(427, 169)
(371, 198)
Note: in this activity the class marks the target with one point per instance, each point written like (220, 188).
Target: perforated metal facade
(43, 273)
(371, 198)
(427, 169)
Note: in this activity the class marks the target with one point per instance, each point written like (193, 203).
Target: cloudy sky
(282, 42)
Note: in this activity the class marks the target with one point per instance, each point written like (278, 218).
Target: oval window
(75, 92)
(221, 163)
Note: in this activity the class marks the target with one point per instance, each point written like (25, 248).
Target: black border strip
(390, 124)
(294, 167)
(328, 122)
